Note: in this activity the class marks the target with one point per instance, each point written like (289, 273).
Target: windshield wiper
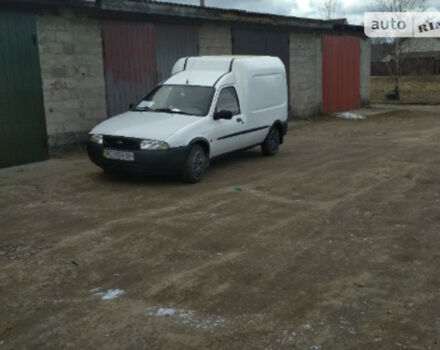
(170, 110)
(142, 109)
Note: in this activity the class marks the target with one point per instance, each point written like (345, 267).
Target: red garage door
(129, 63)
(341, 77)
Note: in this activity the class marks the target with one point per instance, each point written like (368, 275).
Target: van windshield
(179, 99)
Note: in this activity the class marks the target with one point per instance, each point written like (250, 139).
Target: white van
(210, 106)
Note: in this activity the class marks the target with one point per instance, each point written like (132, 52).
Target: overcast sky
(351, 9)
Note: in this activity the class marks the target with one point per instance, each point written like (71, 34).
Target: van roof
(207, 70)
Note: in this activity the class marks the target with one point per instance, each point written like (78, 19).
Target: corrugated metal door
(174, 42)
(129, 63)
(23, 137)
(341, 73)
(254, 41)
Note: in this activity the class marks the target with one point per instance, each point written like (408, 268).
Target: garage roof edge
(183, 11)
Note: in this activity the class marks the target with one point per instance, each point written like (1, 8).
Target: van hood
(144, 125)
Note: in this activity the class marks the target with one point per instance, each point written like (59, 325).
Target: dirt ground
(332, 244)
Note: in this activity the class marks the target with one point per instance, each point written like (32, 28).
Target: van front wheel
(271, 145)
(195, 165)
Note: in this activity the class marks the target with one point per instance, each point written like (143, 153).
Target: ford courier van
(210, 106)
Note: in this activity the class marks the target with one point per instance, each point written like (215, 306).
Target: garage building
(66, 65)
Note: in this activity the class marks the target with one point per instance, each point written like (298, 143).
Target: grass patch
(403, 114)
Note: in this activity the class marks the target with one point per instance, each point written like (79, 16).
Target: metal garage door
(250, 41)
(23, 137)
(174, 42)
(129, 63)
(341, 77)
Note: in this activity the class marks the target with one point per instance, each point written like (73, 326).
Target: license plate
(118, 155)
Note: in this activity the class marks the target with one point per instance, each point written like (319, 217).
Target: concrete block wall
(365, 71)
(305, 74)
(72, 72)
(215, 40)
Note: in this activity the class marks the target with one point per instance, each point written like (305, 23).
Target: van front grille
(121, 142)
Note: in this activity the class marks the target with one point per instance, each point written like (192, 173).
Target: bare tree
(330, 9)
(394, 62)
(398, 5)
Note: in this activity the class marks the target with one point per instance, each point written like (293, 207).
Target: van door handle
(239, 120)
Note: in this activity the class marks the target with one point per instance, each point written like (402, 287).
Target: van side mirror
(223, 115)
(130, 106)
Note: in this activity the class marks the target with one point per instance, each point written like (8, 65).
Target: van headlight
(154, 145)
(96, 138)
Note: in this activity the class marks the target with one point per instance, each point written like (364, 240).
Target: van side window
(228, 101)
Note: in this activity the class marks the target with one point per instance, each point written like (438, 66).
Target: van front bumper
(169, 161)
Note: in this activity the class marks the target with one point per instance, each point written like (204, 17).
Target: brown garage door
(129, 63)
(173, 42)
(341, 73)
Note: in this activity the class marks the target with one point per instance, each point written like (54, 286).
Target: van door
(229, 134)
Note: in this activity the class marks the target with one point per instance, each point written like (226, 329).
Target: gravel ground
(332, 244)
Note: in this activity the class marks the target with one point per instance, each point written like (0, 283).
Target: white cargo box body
(261, 86)
(219, 104)
(260, 81)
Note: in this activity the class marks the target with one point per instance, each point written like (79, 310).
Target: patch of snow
(186, 317)
(110, 294)
(343, 321)
(315, 347)
(350, 116)
(93, 290)
(346, 325)
(165, 311)
(287, 337)
(1, 342)
(307, 326)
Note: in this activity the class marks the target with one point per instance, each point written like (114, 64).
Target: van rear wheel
(271, 145)
(195, 165)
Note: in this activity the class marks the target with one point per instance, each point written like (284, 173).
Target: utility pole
(202, 3)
